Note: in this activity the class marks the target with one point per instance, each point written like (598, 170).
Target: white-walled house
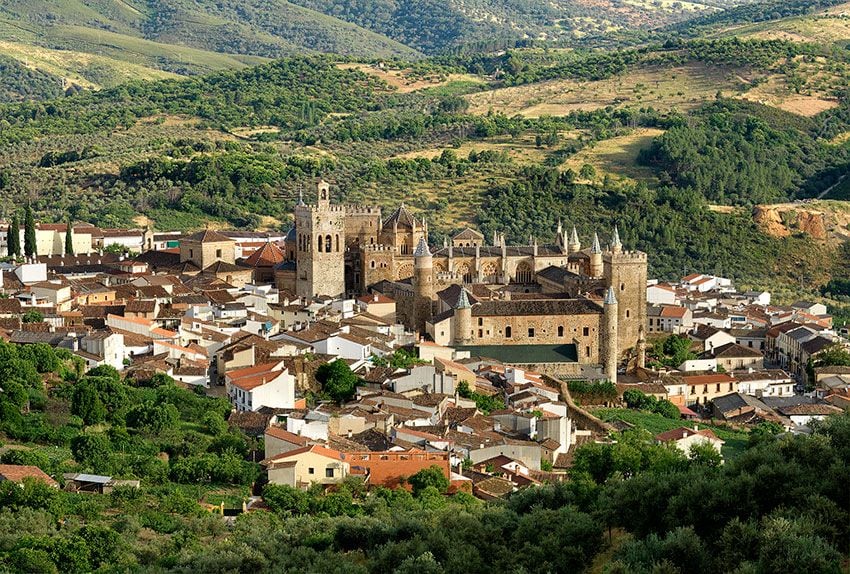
(684, 438)
(266, 385)
(661, 294)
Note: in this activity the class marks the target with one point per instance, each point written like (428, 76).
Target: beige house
(207, 247)
(56, 294)
(302, 467)
(379, 305)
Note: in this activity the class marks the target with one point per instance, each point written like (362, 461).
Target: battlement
(362, 210)
(637, 256)
(378, 248)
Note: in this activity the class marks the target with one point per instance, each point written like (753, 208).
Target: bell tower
(320, 253)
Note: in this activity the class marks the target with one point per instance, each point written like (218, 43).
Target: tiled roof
(208, 236)
(268, 255)
(17, 473)
(544, 307)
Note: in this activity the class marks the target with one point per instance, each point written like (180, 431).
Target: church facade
(590, 301)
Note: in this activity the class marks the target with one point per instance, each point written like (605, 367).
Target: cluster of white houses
(213, 309)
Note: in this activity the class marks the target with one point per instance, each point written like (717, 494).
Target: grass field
(735, 441)
(665, 88)
(830, 26)
(617, 156)
(405, 82)
(521, 149)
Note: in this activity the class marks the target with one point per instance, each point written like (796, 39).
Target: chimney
(696, 428)
(349, 433)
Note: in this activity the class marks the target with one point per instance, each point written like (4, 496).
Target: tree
(32, 316)
(13, 238)
(338, 381)
(214, 424)
(431, 476)
(86, 403)
(667, 409)
(69, 239)
(287, 500)
(91, 450)
(833, 356)
(30, 247)
(704, 454)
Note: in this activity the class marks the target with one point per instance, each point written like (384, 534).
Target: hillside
(435, 26)
(93, 44)
(96, 44)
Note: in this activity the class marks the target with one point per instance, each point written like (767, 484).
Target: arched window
(372, 264)
(488, 273)
(561, 331)
(523, 273)
(508, 332)
(319, 243)
(329, 246)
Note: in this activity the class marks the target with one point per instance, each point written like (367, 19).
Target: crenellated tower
(320, 250)
(626, 272)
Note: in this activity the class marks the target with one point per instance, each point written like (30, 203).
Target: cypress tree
(13, 238)
(69, 239)
(29, 233)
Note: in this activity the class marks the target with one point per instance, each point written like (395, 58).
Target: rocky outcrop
(784, 220)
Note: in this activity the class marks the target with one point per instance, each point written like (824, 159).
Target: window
(508, 332)
(587, 351)
(218, 253)
(328, 244)
(718, 387)
(560, 330)
(585, 331)
(372, 264)
(705, 389)
(480, 333)
(329, 473)
(319, 244)
(730, 386)
(622, 286)
(480, 321)
(311, 470)
(628, 313)
(191, 253)
(530, 332)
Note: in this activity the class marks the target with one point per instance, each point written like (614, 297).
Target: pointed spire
(616, 244)
(422, 249)
(301, 197)
(574, 237)
(463, 300)
(610, 298)
(560, 227)
(596, 247)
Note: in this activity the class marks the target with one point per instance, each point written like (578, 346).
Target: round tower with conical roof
(609, 344)
(574, 245)
(463, 320)
(423, 286)
(596, 267)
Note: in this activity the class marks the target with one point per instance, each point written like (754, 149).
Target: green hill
(103, 42)
(435, 26)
